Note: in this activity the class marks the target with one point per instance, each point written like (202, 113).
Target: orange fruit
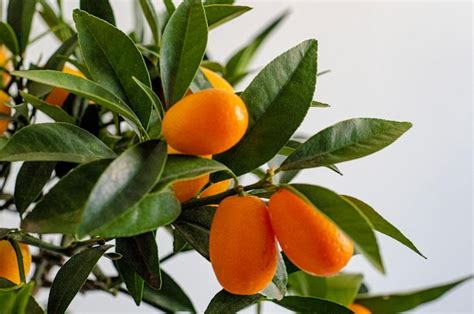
(206, 123)
(217, 81)
(58, 96)
(5, 64)
(5, 110)
(187, 189)
(359, 309)
(8, 263)
(242, 245)
(216, 188)
(309, 239)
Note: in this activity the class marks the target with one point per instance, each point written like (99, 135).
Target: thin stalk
(19, 258)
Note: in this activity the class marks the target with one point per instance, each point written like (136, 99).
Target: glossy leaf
(277, 100)
(381, 225)
(312, 305)
(183, 46)
(102, 9)
(218, 14)
(123, 184)
(54, 142)
(111, 67)
(170, 298)
(140, 254)
(56, 113)
(71, 277)
(341, 288)
(347, 217)
(150, 14)
(225, 302)
(277, 288)
(8, 38)
(346, 140)
(19, 16)
(401, 302)
(134, 283)
(59, 211)
(30, 182)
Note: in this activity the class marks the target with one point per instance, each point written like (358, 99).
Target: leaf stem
(19, 258)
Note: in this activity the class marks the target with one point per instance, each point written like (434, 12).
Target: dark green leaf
(33, 307)
(182, 49)
(312, 305)
(277, 100)
(381, 225)
(218, 14)
(155, 101)
(346, 140)
(225, 302)
(341, 288)
(54, 142)
(20, 15)
(102, 9)
(56, 113)
(208, 2)
(140, 254)
(123, 184)
(238, 64)
(152, 19)
(111, 67)
(134, 283)
(8, 38)
(401, 302)
(60, 210)
(171, 298)
(347, 217)
(30, 182)
(277, 288)
(71, 277)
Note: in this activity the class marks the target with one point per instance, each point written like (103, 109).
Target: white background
(403, 61)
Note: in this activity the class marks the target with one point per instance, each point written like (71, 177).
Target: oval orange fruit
(359, 309)
(58, 96)
(206, 123)
(216, 188)
(4, 64)
(217, 81)
(309, 239)
(8, 262)
(4, 110)
(242, 245)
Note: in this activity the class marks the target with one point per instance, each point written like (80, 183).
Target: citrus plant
(122, 134)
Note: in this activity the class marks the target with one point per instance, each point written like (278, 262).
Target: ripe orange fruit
(8, 263)
(217, 81)
(206, 123)
(216, 188)
(58, 96)
(359, 309)
(5, 64)
(309, 239)
(187, 189)
(5, 110)
(242, 245)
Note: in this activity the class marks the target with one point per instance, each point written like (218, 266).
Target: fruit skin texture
(8, 262)
(359, 309)
(206, 123)
(4, 109)
(216, 188)
(58, 96)
(187, 189)
(309, 239)
(242, 245)
(217, 81)
(4, 64)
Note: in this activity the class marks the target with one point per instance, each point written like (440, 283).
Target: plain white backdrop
(400, 60)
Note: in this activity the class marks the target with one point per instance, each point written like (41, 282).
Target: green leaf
(347, 217)
(170, 298)
(16, 299)
(277, 100)
(341, 289)
(140, 254)
(200, 82)
(381, 225)
(238, 64)
(401, 302)
(56, 113)
(277, 288)
(183, 46)
(312, 305)
(19, 16)
(71, 277)
(318, 104)
(111, 67)
(155, 101)
(102, 9)
(346, 140)
(152, 19)
(8, 38)
(60, 210)
(170, 7)
(30, 182)
(33, 307)
(54, 142)
(208, 2)
(123, 184)
(225, 302)
(59, 27)
(218, 14)
(134, 283)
